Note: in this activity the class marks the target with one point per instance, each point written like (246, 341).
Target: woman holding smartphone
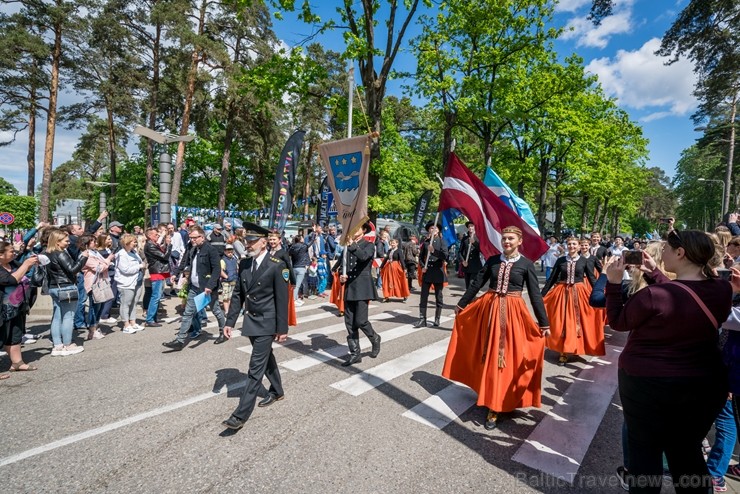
(576, 327)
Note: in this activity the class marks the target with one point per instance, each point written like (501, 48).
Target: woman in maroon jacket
(671, 379)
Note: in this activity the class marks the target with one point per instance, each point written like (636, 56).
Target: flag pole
(436, 221)
(351, 79)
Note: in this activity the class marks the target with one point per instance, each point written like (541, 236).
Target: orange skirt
(504, 378)
(337, 293)
(395, 284)
(420, 275)
(292, 319)
(575, 327)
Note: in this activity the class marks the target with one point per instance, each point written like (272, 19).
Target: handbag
(101, 290)
(67, 293)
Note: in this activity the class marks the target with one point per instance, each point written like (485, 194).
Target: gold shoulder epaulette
(273, 259)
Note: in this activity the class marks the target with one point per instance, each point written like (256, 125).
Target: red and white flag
(464, 191)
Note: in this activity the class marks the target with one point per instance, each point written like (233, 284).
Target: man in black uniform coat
(432, 256)
(470, 254)
(359, 289)
(261, 290)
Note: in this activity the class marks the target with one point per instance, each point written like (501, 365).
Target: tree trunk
(542, 197)
(153, 99)
(558, 225)
(615, 222)
(606, 215)
(112, 153)
(226, 158)
(597, 216)
(195, 60)
(730, 159)
(31, 156)
(584, 215)
(51, 122)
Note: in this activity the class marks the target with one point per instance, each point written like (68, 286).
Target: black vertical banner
(322, 209)
(283, 188)
(421, 209)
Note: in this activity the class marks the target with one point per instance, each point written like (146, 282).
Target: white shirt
(258, 261)
(194, 269)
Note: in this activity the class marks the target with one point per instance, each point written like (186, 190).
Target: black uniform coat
(437, 257)
(263, 296)
(283, 255)
(359, 284)
(474, 262)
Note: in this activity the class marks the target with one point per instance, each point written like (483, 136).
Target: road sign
(6, 218)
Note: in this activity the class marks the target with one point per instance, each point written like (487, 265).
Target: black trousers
(438, 296)
(356, 319)
(670, 415)
(468, 279)
(262, 363)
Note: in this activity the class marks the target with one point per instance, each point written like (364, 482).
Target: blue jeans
(96, 310)
(548, 270)
(191, 317)
(724, 442)
(107, 306)
(62, 319)
(81, 300)
(151, 312)
(300, 277)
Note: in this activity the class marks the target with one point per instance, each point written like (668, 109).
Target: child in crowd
(313, 278)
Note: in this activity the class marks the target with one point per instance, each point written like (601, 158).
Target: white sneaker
(299, 302)
(97, 335)
(28, 339)
(138, 328)
(129, 330)
(110, 320)
(73, 349)
(59, 351)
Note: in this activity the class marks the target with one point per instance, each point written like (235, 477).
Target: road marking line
(331, 353)
(334, 328)
(387, 371)
(113, 426)
(443, 407)
(560, 441)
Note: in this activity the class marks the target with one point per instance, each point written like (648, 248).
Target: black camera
(633, 257)
(724, 274)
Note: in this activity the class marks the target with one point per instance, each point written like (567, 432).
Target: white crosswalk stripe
(325, 331)
(331, 353)
(443, 407)
(387, 371)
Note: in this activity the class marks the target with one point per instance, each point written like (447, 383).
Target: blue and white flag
(446, 219)
(504, 192)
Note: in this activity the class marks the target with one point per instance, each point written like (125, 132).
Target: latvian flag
(464, 191)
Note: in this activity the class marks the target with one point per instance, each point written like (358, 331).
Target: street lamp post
(102, 206)
(165, 168)
(724, 193)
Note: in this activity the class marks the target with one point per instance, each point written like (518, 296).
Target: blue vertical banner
(283, 188)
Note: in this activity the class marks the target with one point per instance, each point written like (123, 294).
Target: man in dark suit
(203, 269)
(262, 291)
(470, 254)
(359, 289)
(432, 256)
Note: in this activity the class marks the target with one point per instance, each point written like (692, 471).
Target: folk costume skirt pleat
(394, 280)
(292, 319)
(499, 354)
(575, 327)
(337, 293)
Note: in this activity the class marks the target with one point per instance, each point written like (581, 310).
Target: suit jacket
(283, 255)
(264, 297)
(474, 262)
(359, 284)
(209, 266)
(437, 258)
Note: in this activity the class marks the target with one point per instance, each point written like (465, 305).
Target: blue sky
(619, 52)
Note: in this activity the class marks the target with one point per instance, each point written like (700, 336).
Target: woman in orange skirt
(336, 296)
(393, 274)
(576, 327)
(496, 347)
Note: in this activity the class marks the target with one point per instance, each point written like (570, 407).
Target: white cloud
(571, 5)
(641, 80)
(587, 34)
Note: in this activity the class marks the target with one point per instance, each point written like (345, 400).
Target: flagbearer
(470, 254)
(432, 256)
(261, 291)
(359, 289)
(496, 347)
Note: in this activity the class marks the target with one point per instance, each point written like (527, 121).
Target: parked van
(400, 230)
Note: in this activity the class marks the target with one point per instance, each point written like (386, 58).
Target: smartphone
(633, 257)
(724, 274)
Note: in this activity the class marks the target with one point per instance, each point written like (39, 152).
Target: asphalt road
(127, 415)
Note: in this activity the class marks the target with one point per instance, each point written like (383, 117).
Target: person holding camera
(576, 327)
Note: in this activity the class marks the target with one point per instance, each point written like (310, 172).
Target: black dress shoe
(233, 423)
(269, 400)
(153, 325)
(174, 344)
(221, 338)
(353, 359)
(436, 322)
(421, 323)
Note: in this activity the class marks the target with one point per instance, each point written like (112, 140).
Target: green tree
(23, 208)
(7, 189)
